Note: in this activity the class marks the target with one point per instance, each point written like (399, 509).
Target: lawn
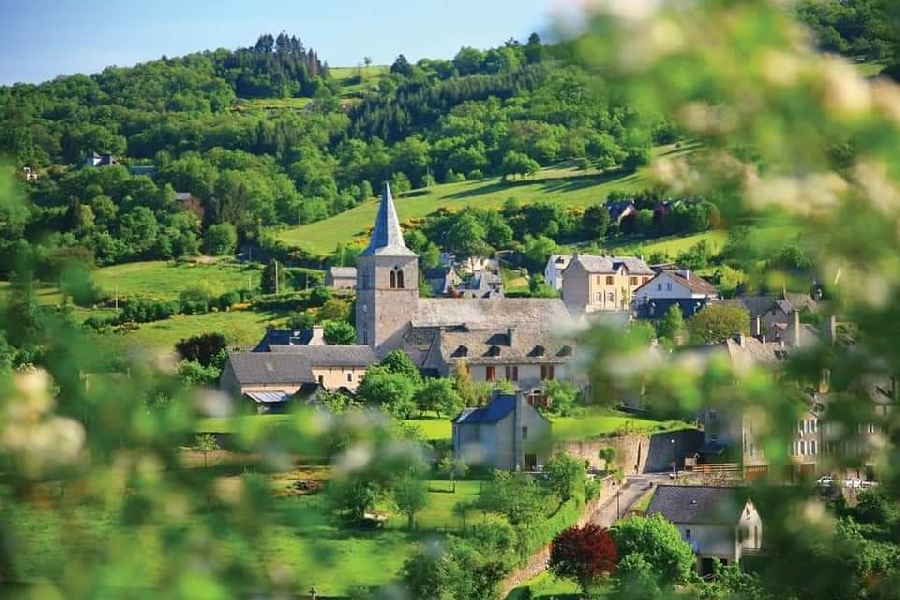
(166, 280)
(546, 586)
(597, 423)
(672, 246)
(431, 429)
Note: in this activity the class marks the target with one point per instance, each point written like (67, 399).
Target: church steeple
(387, 237)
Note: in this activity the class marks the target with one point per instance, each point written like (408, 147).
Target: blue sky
(41, 39)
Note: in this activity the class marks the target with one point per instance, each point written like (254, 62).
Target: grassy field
(353, 225)
(672, 246)
(335, 559)
(166, 280)
(241, 328)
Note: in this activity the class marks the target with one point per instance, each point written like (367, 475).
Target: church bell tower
(387, 283)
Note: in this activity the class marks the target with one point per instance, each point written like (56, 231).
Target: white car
(825, 481)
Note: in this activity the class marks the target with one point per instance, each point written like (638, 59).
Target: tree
(206, 443)
(608, 456)
(273, 278)
(660, 543)
(352, 496)
(518, 163)
(426, 574)
(339, 333)
(438, 395)
(514, 495)
(595, 222)
(671, 325)
(367, 60)
(410, 494)
(466, 236)
(221, 239)
(401, 66)
(718, 322)
(399, 362)
(201, 348)
(393, 392)
(583, 554)
(452, 469)
(565, 475)
(562, 396)
(635, 579)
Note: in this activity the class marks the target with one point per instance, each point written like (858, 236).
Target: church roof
(522, 313)
(387, 237)
(491, 346)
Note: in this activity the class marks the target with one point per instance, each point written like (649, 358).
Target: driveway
(628, 495)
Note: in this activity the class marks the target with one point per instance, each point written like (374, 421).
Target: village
(697, 477)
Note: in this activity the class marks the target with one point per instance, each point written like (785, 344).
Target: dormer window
(397, 278)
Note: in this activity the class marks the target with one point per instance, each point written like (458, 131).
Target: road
(637, 487)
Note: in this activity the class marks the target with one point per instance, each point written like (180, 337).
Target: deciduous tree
(583, 554)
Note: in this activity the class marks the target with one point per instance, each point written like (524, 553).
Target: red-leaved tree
(583, 554)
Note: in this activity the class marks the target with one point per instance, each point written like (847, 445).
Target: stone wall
(537, 562)
(638, 454)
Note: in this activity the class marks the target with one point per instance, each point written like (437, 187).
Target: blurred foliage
(87, 444)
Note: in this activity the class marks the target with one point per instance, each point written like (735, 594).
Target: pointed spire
(387, 237)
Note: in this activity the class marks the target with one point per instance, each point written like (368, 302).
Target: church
(514, 339)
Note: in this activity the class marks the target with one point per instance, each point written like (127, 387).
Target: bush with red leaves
(583, 554)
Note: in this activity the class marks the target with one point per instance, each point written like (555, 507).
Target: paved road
(637, 487)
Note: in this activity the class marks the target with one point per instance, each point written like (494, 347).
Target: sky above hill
(45, 38)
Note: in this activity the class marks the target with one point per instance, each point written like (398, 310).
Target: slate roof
(267, 368)
(533, 314)
(498, 409)
(387, 237)
(800, 301)
(331, 356)
(698, 505)
(343, 272)
(284, 337)
(694, 283)
(486, 346)
(559, 261)
(756, 305)
(610, 264)
(294, 365)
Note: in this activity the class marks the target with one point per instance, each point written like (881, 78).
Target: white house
(556, 264)
(690, 291)
(719, 523)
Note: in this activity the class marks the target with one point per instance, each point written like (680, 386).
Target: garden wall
(537, 562)
(638, 454)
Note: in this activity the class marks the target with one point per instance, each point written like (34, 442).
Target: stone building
(517, 339)
(602, 283)
(508, 433)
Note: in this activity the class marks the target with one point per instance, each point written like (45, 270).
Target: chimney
(795, 332)
(509, 335)
(318, 336)
(757, 328)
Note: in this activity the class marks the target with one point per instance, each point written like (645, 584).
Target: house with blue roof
(508, 433)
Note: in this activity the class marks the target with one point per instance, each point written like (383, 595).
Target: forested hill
(318, 144)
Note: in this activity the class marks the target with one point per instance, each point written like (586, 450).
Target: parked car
(825, 481)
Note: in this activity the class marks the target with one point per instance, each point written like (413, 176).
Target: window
(609, 280)
(397, 278)
(599, 280)
(687, 534)
(524, 433)
(547, 372)
(350, 377)
(646, 280)
(598, 297)
(365, 338)
(490, 373)
(633, 280)
(668, 287)
(812, 447)
(658, 287)
(802, 448)
(512, 373)
(321, 380)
